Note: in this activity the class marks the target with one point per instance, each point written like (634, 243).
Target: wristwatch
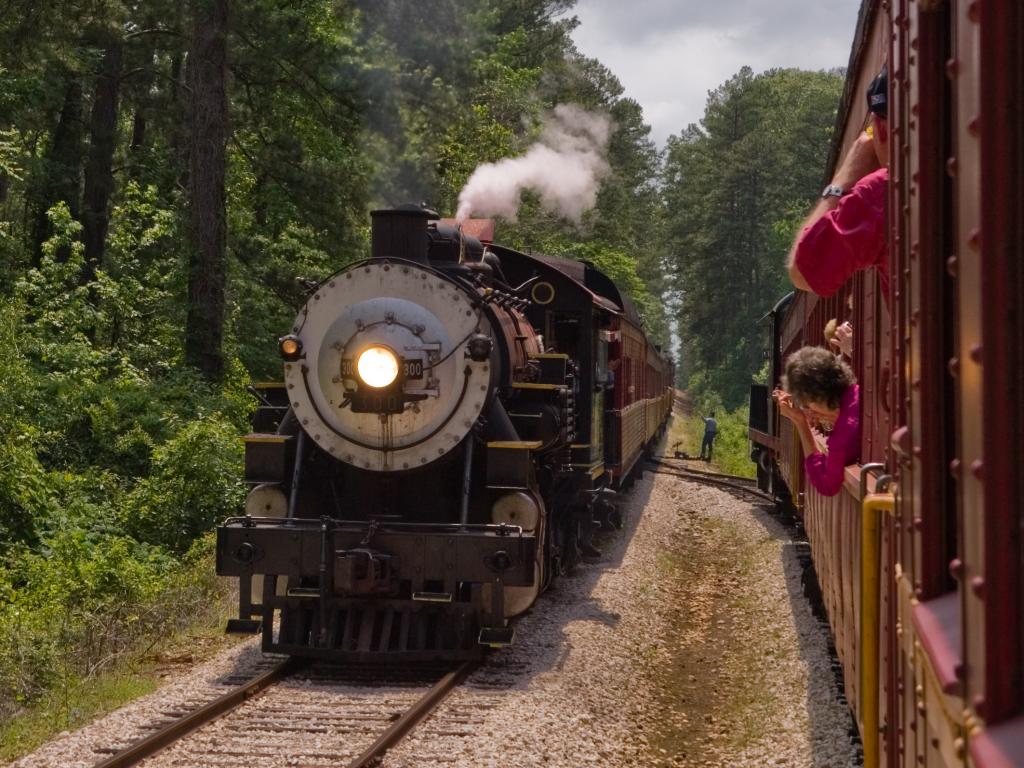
(833, 190)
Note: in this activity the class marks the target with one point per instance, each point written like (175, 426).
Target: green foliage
(731, 453)
(736, 188)
(195, 481)
(79, 603)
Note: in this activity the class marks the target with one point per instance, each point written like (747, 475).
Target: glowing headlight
(377, 366)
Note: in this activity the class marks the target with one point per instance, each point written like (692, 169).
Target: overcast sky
(670, 53)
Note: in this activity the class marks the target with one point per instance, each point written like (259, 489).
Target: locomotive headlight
(377, 366)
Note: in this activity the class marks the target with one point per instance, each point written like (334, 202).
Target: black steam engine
(428, 463)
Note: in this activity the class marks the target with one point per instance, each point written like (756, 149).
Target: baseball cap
(878, 94)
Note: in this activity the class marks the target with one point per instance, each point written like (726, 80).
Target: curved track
(731, 482)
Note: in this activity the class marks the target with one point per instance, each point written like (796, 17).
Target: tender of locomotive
(436, 453)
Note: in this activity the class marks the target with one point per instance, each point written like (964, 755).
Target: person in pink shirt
(820, 391)
(846, 231)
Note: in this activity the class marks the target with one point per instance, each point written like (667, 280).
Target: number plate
(413, 369)
(377, 402)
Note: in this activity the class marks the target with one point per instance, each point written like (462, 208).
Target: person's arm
(825, 471)
(784, 401)
(858, 163)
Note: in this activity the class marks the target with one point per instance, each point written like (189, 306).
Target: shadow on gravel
(781, 523)
(541, 642)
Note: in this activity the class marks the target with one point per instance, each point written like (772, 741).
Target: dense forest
(174, 173)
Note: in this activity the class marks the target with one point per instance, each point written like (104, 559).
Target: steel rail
(662, 460)
(414, 715)
(158, 740)
(702, 478)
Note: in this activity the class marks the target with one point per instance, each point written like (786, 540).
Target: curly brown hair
(813, 374)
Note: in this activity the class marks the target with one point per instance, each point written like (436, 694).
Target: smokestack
(400, 233)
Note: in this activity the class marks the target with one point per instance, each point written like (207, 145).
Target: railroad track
(733, 482)
(667, 459)
(302, 714)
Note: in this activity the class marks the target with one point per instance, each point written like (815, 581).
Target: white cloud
(668, 54)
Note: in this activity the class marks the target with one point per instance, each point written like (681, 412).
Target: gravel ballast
(689, 644)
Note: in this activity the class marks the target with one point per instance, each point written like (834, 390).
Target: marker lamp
(290, 347)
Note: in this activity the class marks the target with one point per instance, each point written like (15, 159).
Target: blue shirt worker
(710, 432)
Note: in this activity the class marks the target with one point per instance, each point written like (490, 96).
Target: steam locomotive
(454, 420)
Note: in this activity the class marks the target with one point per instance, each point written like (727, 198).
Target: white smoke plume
(564, 167)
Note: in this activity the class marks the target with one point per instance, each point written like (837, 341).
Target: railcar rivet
(972, 11)
(951, 167)
(978, 586)
(974, 240)
(977, 468)
(954, 468)
(951, 266)
(956, 568)
(976, 353)
(305, 422)
(960, 747)
(952, 66)
(953, 366)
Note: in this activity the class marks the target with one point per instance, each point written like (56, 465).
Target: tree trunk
(204, 326)
(63, 169)
(99, 169)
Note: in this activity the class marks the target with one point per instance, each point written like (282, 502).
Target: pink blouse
(825, 471)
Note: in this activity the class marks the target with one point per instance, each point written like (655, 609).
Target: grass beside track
(732, 447)
(76, 699)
